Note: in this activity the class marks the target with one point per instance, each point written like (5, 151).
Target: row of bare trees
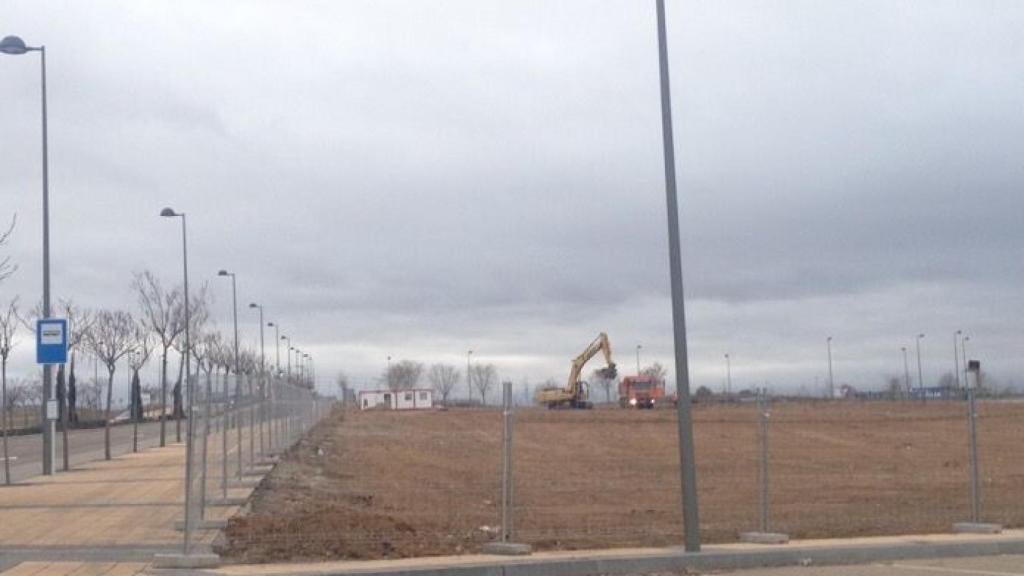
(443, 378)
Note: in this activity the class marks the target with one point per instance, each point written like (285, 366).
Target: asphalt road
(976, 566)
(26, 452)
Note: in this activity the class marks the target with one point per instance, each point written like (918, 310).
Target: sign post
(51, 348)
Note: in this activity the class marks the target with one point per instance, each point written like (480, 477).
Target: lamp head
(253, 305)
(223, 273)
(13, 45)
(270, 324)
(168, 213)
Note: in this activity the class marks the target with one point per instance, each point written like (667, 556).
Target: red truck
(642, 391)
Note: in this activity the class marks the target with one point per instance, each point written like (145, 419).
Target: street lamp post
(728, 374)
(469, 377)
(920, 373)
(638, 347)
(287, 351)
(238, 383)
(831, 381)
(15, 46)
(687, 461)
(956, 357)
(963, 348)
(277, 347)
(906, 370)
(263, 375)
(170, 213)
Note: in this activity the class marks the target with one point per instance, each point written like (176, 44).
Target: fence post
(973, 433)
(763, 413)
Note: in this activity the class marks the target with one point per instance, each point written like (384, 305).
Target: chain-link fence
(396, 483)
(237, 426)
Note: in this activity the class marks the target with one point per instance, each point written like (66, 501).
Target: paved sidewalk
(132, 500)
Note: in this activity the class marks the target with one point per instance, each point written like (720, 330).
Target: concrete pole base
(764, 538)
(243, 483)
(507, 549)
(202, 524)
(259, 471)
(187, 562)
(977, 528)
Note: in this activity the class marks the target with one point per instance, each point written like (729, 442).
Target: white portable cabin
(416, 399)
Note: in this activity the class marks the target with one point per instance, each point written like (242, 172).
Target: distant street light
(728, 374)
(638, 347)
(263, 373)
(170, 213)
(906, 370)
(963, 348)
(15, 46)
(469, 377)
(920, 374)
(277, 348)
(831, 381)
(956, 357)
(288, 354)
(237, 369)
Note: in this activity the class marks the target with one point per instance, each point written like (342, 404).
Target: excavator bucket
(608, 373)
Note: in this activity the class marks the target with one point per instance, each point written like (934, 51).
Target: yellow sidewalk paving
(132, 500)
(77, 569)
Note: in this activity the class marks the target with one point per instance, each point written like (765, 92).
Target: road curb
(678, 560)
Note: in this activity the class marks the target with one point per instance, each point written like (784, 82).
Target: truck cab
(643, 391)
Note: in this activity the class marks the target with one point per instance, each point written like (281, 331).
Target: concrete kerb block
(764, 538)
(208, 524)
(186, 561)
(977, 528)
(507, 549)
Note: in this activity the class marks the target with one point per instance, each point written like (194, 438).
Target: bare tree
(79, 323)
(142, 349)
(485, 376)
(343, 386)
(404, 375)
(199, 314)
(6, 267)
(443, 377)
(656, 370)
(8, 330)
(18, 394)
(111, 338)
(92, 395)
(162, 314)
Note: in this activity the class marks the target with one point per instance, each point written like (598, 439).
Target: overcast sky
(418, 179)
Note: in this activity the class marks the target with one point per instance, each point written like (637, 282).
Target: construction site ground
(380, 484)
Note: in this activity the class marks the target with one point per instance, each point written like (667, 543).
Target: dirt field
(386, 484)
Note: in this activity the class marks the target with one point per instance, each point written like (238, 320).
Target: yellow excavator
(575, 394)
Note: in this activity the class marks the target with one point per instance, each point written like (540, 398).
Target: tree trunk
(136, 408)
(72, 393)
(179, 413)
(3, 407)
(163, 398)
(106, 422)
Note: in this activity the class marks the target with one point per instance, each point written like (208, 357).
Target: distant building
(416, 399)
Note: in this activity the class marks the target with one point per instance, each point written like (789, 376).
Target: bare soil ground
(389, 484)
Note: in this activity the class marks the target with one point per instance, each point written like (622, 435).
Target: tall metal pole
(963, 349)
(638, 346)
(277, 347)
(469, 377)
(920, 376)
(728, 374)
(906, 370)
(831, 381)
(956, 357)
(288, 352)
(238, 374)
(973, 437)
(691, 517)
(189, 520)
(48, 427)
(263, 377)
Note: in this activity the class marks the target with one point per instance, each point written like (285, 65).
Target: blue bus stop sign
(52, 341)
